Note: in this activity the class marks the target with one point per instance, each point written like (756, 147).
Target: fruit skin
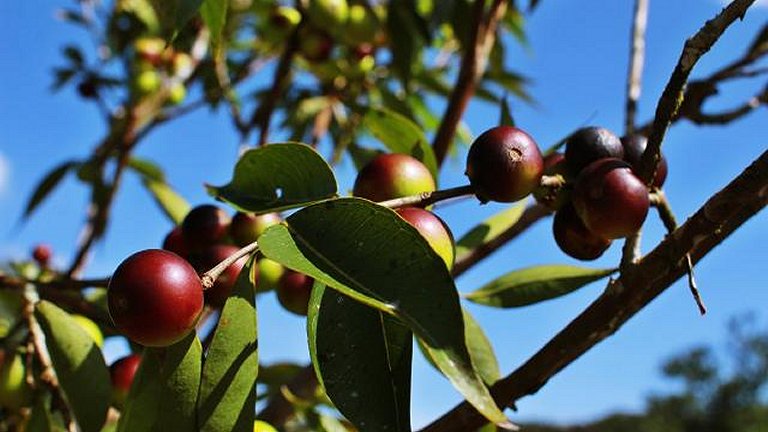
(42, 254)
(247, 227)
(554, 198)
(204, 225)
(610, 200)
(15, 392)
(574, 239)
(328, 14)
(362, 25)
(177, 92)
(174, 242)
(262, 426)
(121, 373)
(293, 291)
(433, 229)
(155, 297)
(207, 259)
(634, 146)
(589, 144)
(269, 275)
(147, 82)
(91, 328)
(392, 175)
(504, 164)
(315, 45)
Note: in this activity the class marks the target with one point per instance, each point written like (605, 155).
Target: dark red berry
(207, 259)
(393, 175)
(121, 373)
(504, 164)
(293, 291)
(634, 146)
(42, 254)
(204, 225)
(155, 297)
(589, 144)
(574, 238)
(433, 229)
(174, 242)
(610, 200)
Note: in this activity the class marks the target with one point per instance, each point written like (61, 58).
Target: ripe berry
(207, 259)
(174, 242)
(433, 229)
(155, 297)
(574, 238)
(589, 144)
(393, 175)
(634, 146)
(293, 291)
(610, 200)
(204, 225)
(122, 372)
(246, 227)
(42, 254)
(504, 164)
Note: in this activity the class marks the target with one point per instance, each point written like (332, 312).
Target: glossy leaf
(171, 203)
(363, 358)
(400, 135)
(227, 390)
(489, 229)
(48, 184)
(79, 365)
(535, 284)
(214, 14)
(165, 388)
(367, 252)
(278, 177)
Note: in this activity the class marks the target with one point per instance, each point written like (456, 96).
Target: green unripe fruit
(262, 426)
(391, 176)
(433, 229)
(361, 25)
(91, 328)
(177, 93)
(328, 14)
(280, 23)
(147, 82)
(15, 392)
(182, 65)
(269, 274)
(246, 228)
(150, 50)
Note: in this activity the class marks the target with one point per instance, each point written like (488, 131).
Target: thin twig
(717, 219)
(208, 278)
(636, 61)
(426, 198)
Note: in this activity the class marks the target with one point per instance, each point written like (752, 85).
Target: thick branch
(720, 216)
(672, 96)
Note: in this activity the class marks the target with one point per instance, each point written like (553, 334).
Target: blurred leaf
(277, 177)
(400, 135)
(533, 4)
(368, 253)
(363, 359)
(144, 11)
(147, 169)
(489, 229)
(512, 82)
(173, 15)
(227, 389)
(515, 22)
(171, 203)
(72, 16)
(278, 374)
(214, 13)
(74, 55)
(10, 310)
(480, 350)
(47, 184)
(506, 114)
(79, 365)
(165, 388)
(535, 284)
(405, 37)
(62, 77)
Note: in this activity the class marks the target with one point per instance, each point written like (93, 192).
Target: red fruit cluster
(606, 200)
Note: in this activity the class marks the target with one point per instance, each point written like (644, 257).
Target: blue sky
(577, 59)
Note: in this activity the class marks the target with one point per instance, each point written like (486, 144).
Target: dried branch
(636, 61)
(717, 219)
(672, 96)
(473, 64)
(426, 198)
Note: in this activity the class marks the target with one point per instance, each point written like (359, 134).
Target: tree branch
(636, 60)
(718, 218)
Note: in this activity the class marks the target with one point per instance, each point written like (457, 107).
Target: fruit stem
(208, 278)
(426, 198)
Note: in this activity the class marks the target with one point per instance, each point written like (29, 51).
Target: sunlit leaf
(171, 203)
(48, 184)
(489, 229)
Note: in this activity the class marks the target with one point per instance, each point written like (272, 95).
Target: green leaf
(368, 253)
(214, 13)
(534, 284)
(165, 388)
(11, 304)
(278, 177)
(405, 38)
(363, 359)
(147, 169)
(227, 390)
(506, 114)
(480, 350)
(171, 203)
(400, 135)
(79, 365)
(173, 15)
(47, 185)
(489, 229)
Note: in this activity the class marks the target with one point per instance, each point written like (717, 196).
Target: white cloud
(5, 174)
